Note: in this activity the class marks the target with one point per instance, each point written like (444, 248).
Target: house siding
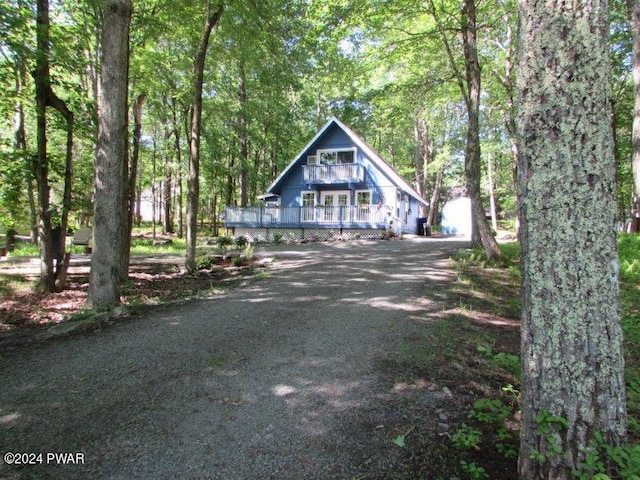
(382, 188)
(379, 178)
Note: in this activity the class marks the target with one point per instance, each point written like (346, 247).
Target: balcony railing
(304, 216)
(336, 173)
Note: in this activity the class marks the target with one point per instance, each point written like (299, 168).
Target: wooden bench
(82, 237)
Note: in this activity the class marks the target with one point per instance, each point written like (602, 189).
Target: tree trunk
(45, 97)
(572, 363)
(20, 144)
(422, 157)
(154, 200)
(167, 220)
(230, 186)
(109, 228)
(492, 193)
(243, 135)
(176, 144)
(33, 209)
(193, 180)
(167, 181)
(481, 233)
(62, 260)
(435, 196)
(633, 7)
(41, 167)
(508, 82)
(132, 180)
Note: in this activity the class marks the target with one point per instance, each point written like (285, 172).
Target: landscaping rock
(119, 313)
(66, 328)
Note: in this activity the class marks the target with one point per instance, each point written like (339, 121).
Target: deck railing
(301, 216)
(337, 173)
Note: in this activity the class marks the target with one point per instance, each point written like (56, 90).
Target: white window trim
(307, 212)
(369, 191)
(336, 192)
(315, 198)
(320, 151)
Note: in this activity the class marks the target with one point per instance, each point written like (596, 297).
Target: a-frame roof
(373, 156)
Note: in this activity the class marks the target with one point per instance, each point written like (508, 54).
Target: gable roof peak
(370, 152)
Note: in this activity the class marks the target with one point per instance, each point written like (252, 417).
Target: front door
(334, 205)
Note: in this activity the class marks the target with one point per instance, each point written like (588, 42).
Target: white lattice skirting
(292, 234)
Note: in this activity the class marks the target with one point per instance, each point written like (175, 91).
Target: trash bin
(422, 226)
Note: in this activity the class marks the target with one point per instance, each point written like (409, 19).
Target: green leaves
(399, 441)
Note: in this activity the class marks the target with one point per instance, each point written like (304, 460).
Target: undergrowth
(472, 267)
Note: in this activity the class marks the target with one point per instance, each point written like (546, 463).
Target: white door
(332, 203)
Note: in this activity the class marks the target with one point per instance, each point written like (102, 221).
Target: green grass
(494, 288)
(138, 245)
(472, 265)
(147, 246)
(25, 249)
(629, 254)
(12, 284)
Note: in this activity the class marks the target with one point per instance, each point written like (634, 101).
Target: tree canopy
(277, 70)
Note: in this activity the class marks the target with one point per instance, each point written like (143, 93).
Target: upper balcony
(333, 173)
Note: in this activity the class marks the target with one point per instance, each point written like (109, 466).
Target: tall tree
(193, 180)
(111, 202)
(51, 242)
(633, 7)
(473, 155)
(133, 166)
(470, 87)
(572, 364)
(422, 156)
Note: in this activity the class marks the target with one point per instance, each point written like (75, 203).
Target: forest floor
(153, 279)
(444, 405)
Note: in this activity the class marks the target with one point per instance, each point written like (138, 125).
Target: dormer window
(337, 155)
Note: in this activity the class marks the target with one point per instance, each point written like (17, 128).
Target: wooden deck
(308, 217)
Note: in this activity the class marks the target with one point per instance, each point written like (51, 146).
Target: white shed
(456, 217)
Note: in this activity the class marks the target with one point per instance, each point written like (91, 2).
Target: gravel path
(272, 379)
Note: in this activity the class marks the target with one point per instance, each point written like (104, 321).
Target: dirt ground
(153, 279)
(449, 360)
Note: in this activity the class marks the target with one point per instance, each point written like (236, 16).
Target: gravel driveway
(272, 379)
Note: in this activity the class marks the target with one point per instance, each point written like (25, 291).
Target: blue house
(336, 186)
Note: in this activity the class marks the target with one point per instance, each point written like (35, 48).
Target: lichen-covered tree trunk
(572, 363)
(193, 179)
(109, 229)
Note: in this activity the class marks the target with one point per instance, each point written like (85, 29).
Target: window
(363, 202)
(363, 197)
(312, 160)
(308, 200)
(333, 156)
